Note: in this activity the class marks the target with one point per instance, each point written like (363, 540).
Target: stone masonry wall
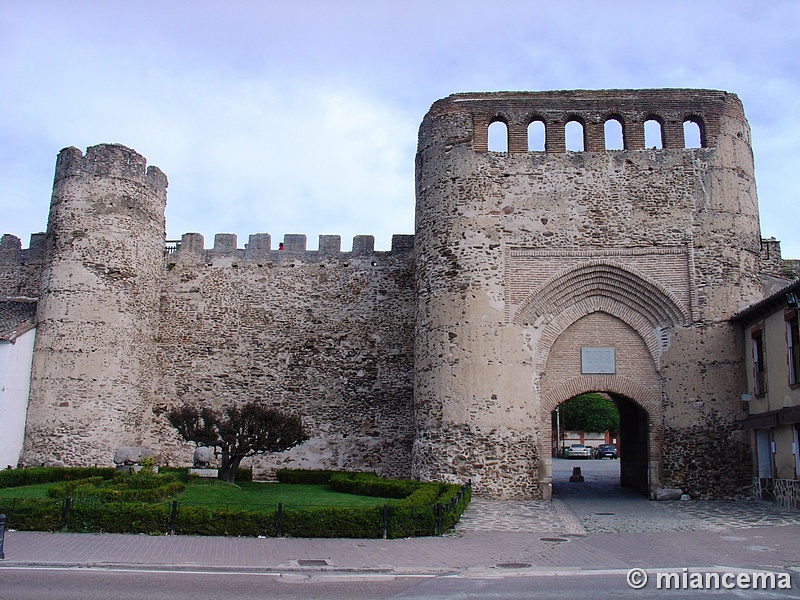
(516, 246)
(97, 313)
(442, 358)
(327, 335)
(20, 269)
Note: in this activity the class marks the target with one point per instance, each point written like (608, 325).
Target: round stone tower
(544, 273)
(94, 356)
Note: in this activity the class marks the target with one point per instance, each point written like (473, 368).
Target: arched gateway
(533, 276)
(543, 275)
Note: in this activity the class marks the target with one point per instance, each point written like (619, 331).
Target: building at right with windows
(772, 342)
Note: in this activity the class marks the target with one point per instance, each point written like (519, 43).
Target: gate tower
(545, 274)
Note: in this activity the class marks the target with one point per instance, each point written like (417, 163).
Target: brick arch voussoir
(641, 293)
(645, 397)
(554, 327)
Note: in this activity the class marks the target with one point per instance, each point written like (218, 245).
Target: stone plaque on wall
(597, 360)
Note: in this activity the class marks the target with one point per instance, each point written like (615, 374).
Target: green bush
(136, 509)
(369, 484)
(143, 486)
(199, 520)
(67, 488)
(19, 477)
(90, 516)
(305, 476)
(244, 474)
(330, 522)
(32, 514)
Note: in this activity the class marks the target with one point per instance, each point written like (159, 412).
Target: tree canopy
(590, 412)
(238, 431)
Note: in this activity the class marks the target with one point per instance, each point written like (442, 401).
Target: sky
(301, 116)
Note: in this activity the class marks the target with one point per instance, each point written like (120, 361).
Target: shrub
(199, 520)
(143, 486)
(329, 522)
(19, 477)
(136, 508)
(305, 476)
(86, 515)
(67, 488)
(369, 484)
(244, 474)
(32, 514)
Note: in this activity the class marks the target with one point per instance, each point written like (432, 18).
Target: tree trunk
(230, 463)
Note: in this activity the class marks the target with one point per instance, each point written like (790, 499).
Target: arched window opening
(573, 133)
(498, 137)
(653, 134)
(613, 134)
(536, 136)
(692, 134)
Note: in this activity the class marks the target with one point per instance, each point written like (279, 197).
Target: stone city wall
(325, 334)
(20, 269)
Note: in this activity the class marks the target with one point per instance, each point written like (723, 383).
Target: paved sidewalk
(763, 547)
(591, 526)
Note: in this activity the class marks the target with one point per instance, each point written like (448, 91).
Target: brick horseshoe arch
(602, 286)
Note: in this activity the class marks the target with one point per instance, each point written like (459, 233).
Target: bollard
(576, 475)
(2, 535)
(65, 511)
(279, 520)
(173, 517)
(385, 519)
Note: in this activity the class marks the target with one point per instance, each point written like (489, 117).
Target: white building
(17, 331)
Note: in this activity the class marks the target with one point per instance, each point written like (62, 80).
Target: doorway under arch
(633, 442)
(641, 427)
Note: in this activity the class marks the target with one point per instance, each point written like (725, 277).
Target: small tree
(238, 432)
(590, 412)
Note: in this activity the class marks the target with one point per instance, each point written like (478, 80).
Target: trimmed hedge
(330, 522)
(19, 477)
(32, 514)
(369, 484)
(416, 514)
(124, 487)
(307, 477)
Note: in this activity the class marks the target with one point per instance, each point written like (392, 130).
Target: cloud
(301, 117)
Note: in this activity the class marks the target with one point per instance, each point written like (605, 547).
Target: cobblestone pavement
(511, 515)
(599, 505)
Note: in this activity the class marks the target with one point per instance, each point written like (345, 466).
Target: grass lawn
(249, 494)
(246, 494)
(28, 491)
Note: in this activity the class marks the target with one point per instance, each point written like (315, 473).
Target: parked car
(577, 451)
(606, 451)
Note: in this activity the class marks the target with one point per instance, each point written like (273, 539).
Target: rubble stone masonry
(443, 358)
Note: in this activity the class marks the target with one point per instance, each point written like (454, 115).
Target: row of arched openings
(575, 138)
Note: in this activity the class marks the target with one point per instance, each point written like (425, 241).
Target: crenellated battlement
(109, 160)
(20, 267)
(11, 250)
(625, 255)
(191, 248)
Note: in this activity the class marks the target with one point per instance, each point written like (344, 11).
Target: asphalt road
(98, 584)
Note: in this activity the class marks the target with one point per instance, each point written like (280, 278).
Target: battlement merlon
(110, 160)
(191, 247)
(11, 250)
(710, 109)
